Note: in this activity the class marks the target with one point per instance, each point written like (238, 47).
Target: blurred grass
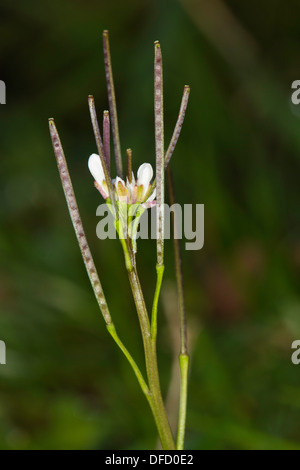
(65, 385)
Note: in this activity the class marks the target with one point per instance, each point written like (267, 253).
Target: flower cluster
(131, 192)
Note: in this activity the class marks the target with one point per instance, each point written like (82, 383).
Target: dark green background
(65, 385)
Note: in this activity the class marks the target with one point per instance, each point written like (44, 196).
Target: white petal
(95, 167)
(144, 174)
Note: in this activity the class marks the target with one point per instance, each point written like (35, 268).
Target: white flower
(131, 193)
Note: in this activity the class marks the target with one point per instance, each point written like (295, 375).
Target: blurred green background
(65, 385)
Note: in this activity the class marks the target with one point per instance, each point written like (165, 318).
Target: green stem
(184, 369)
(112, 330)
(135, 224)
(183, 358)
(156, 400)
(160, 272)
(158, 408)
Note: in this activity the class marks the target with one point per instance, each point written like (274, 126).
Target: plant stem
(184, 370)
(112, 331)
(160, 272)
(158, 408)
(156, 400)
(183, 357)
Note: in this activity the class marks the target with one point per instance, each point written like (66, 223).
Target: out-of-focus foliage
(65, 385)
